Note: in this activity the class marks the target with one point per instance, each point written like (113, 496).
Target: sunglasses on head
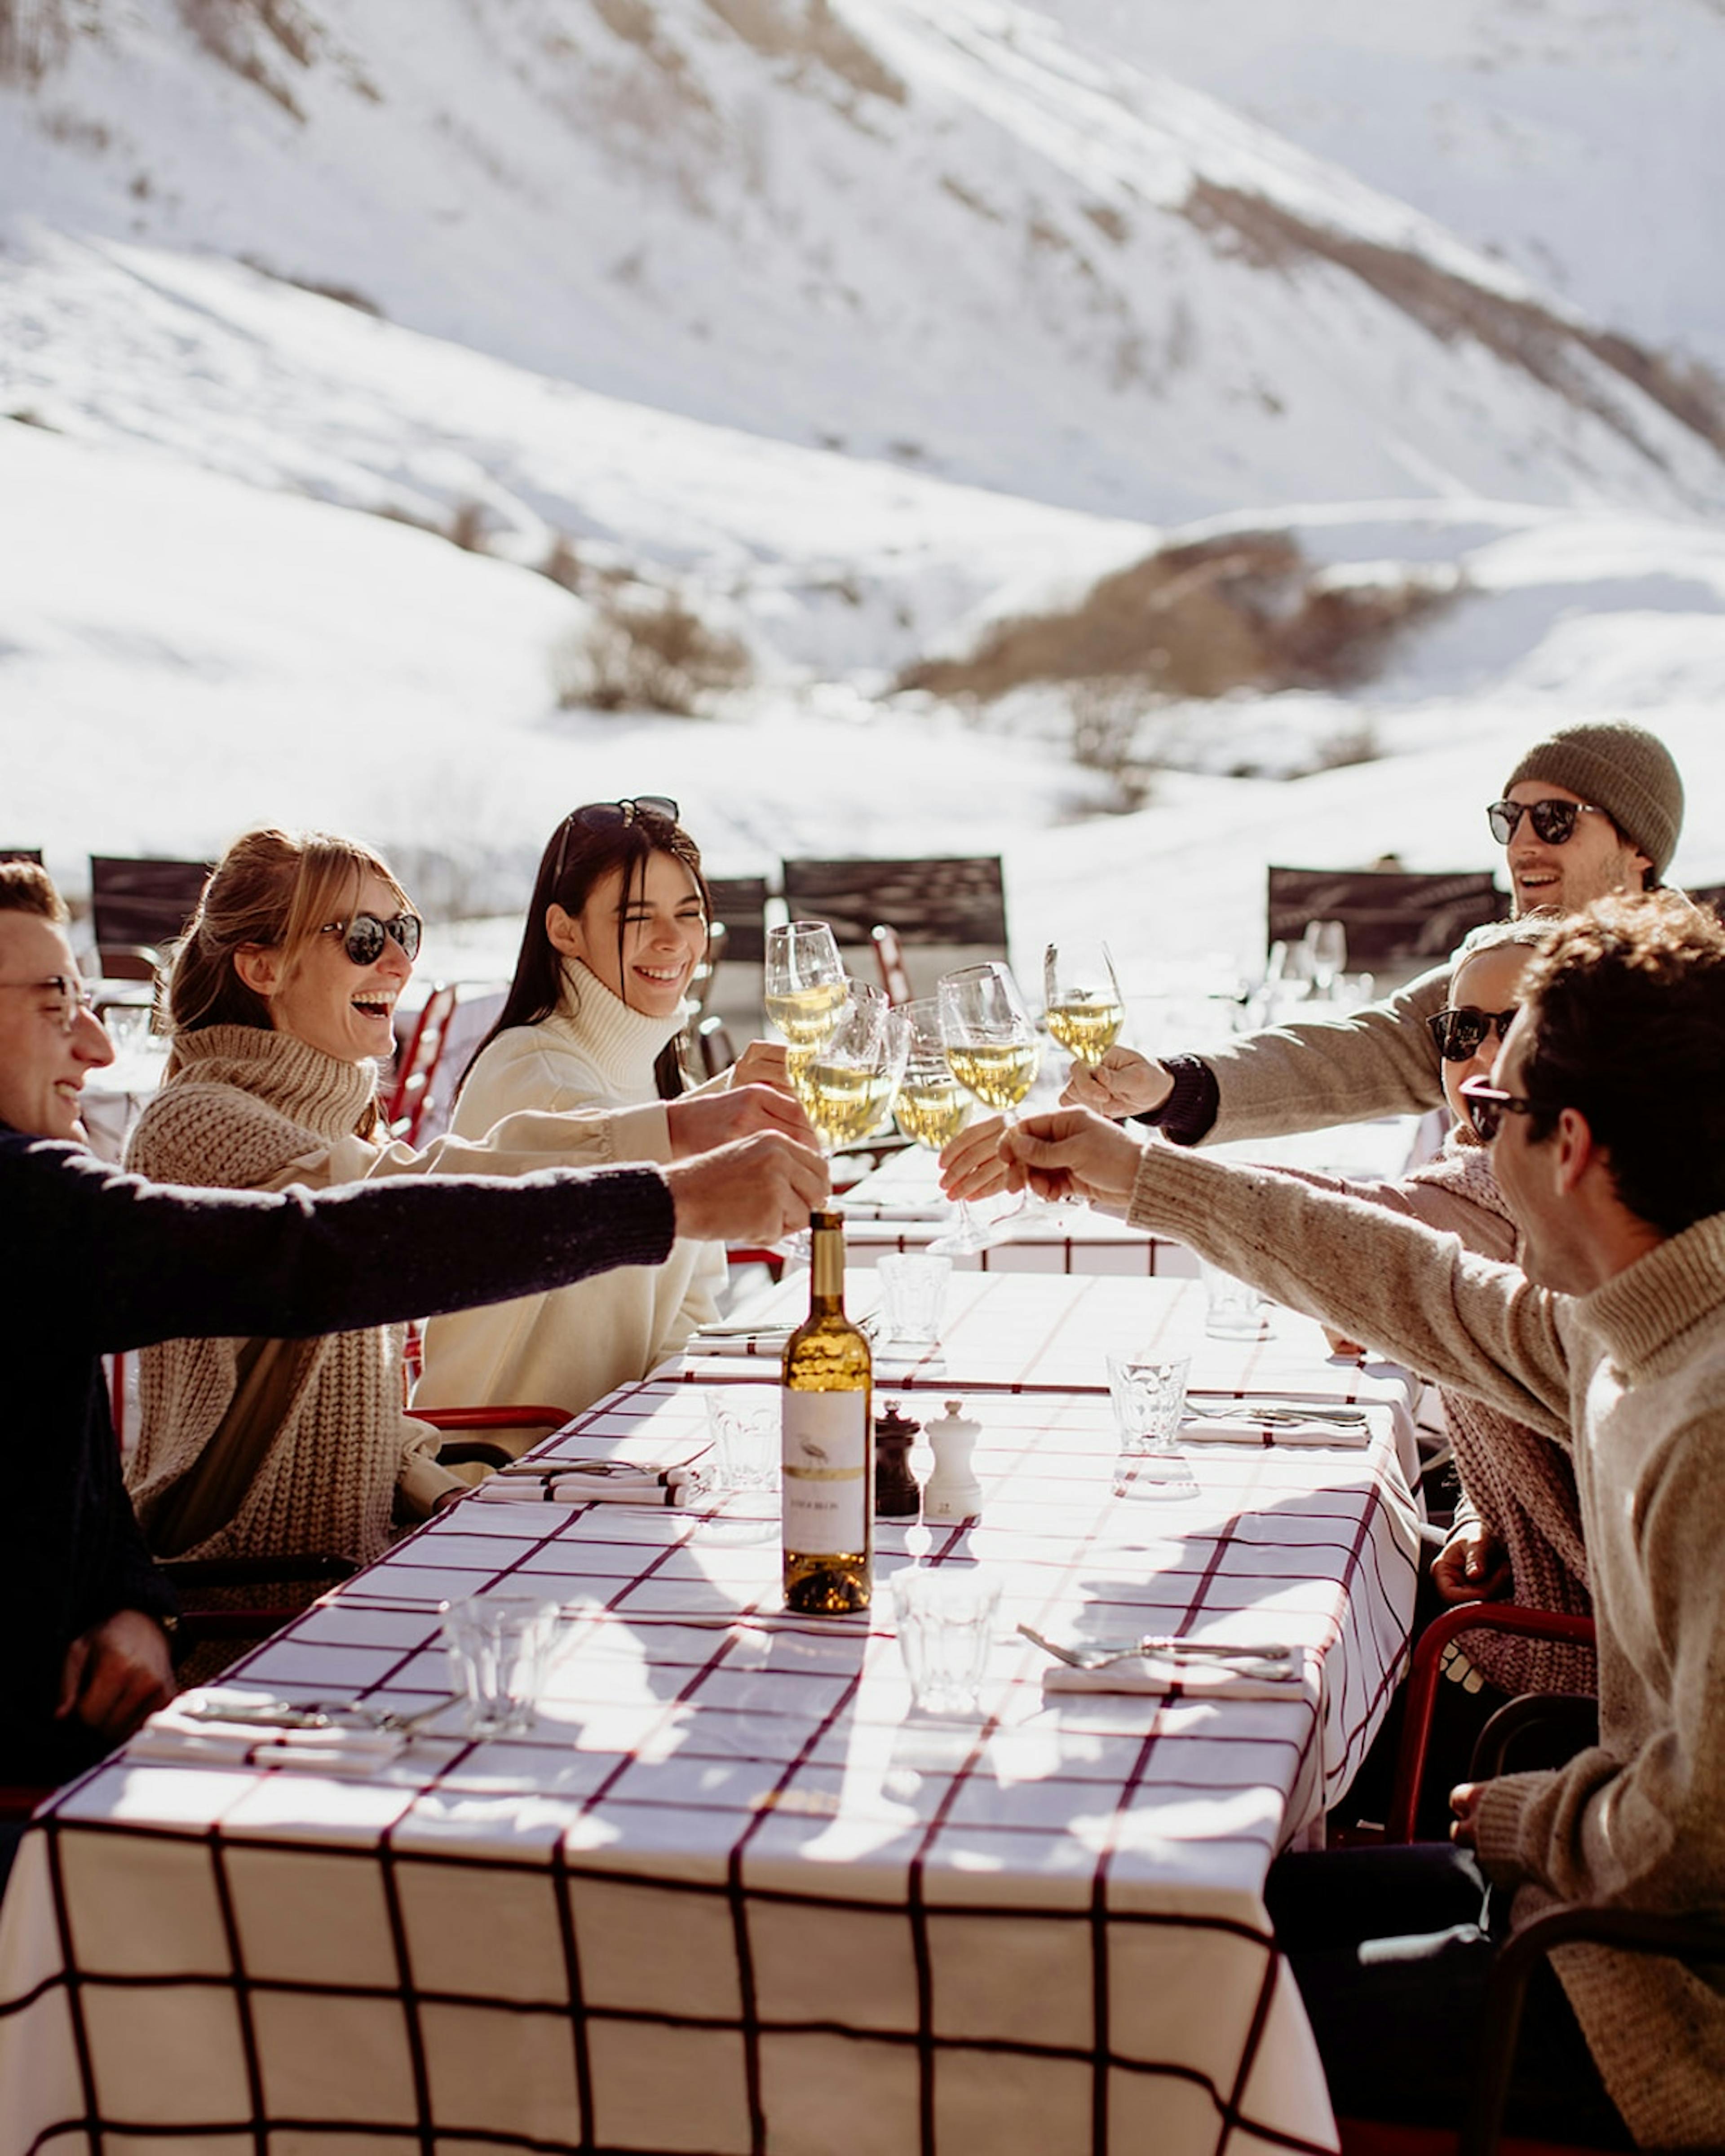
(1462, 1029)
(1554, 821)
(362, 937)
(608, 815)
(1488, 1105)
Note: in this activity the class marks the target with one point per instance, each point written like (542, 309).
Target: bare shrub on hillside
(1242, 611)
(646, 654)
(470, 527)
(1108, 714)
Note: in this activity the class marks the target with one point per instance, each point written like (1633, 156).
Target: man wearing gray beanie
(1593, 808)
(1589, 810)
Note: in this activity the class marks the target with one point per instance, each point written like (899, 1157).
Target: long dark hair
(586, 846)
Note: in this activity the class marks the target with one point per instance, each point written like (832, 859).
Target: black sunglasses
(605, 815)
(1461, 1029)
(1488, 1105)
(362, 937)
(1554, 821)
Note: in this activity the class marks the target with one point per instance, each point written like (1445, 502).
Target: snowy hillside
(858, 326)
(935, 232)
(1576, 139)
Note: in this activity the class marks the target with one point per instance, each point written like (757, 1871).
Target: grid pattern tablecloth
(732, 1894)
(1001, 1333)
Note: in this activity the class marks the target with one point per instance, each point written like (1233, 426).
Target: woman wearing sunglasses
(615, 928)
(281, 1006)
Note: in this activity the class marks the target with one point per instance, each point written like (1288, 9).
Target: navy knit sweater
(92, 1260)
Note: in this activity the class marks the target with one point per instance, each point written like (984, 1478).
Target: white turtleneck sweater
(570, 1347)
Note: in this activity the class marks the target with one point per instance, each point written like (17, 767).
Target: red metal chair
(890, 957)
(1424, 1675)
(410, 1092)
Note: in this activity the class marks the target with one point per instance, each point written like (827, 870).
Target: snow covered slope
(937, 232)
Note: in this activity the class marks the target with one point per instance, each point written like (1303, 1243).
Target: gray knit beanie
(1622, 769)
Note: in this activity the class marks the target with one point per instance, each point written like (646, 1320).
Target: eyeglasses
(362, 937)
(74, 999)
(1554, 821)
(1488, 1105)
(606, 815)
(1461, 1029)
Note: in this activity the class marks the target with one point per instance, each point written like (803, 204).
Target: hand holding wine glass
(989, 1039)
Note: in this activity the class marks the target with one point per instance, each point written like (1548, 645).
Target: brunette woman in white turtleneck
(617, 924)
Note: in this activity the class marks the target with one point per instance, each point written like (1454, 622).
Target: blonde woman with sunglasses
(615, 928)
(281, 1006)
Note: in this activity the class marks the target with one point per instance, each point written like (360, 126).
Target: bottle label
(826, 1472)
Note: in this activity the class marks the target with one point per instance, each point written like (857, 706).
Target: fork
(1273, 1660)
(1275, 1411)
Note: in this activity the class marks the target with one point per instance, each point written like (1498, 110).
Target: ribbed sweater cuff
(1189, 1111)
(1503, 1807)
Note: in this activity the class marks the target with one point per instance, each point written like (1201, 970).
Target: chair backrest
(946, 910)
(1397, 923)
(1709, 894)
(409, 1095)
(139, 907)
(740, 903)
(22, 853)
(890, 957)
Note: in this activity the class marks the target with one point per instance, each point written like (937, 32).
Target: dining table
(732, 1891)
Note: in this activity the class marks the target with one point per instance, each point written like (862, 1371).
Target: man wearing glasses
(94, 1261)
(1592, 810)
(1606, 1119)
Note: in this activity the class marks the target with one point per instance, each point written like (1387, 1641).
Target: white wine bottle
(828, 1438)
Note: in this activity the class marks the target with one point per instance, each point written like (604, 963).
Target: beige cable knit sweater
(258, 1447)
(1515, 1482)
(574, 1345)
(1637, 1369)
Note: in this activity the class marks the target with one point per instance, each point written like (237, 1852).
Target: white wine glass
(1326, 956)
(804, 983)
(1082, 1004)
(931, 1108)
(848, 1080)
(990, 1041)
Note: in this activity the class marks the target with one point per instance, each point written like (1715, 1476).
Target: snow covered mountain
(945, 234)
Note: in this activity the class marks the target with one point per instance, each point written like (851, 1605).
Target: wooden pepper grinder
(896, 1497)
(953, 1492)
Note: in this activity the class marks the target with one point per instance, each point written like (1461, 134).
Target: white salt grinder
(952, 1491)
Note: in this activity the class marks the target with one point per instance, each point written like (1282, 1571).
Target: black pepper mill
(896, 1495)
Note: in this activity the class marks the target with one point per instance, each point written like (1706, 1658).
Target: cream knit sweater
(571, 1346)
(1637, 1369)
(261, 1110)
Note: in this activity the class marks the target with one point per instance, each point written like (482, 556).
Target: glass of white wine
(1082, 1003)
(804, 983)
(933, 1107)
(989, 1039)
(847, 1080)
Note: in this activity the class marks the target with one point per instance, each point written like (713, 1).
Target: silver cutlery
(1253, 1658)
(1277, 1411)
(285, 1714)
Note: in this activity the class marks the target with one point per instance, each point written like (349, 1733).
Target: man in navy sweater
(93, 1261)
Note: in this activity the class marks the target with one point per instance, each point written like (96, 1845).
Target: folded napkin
(1247, 1428)
(769, 1341)
(1194, 1677)
(607, 1483)
(177, 1736)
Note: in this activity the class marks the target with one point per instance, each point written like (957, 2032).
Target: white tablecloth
(732, 1893)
